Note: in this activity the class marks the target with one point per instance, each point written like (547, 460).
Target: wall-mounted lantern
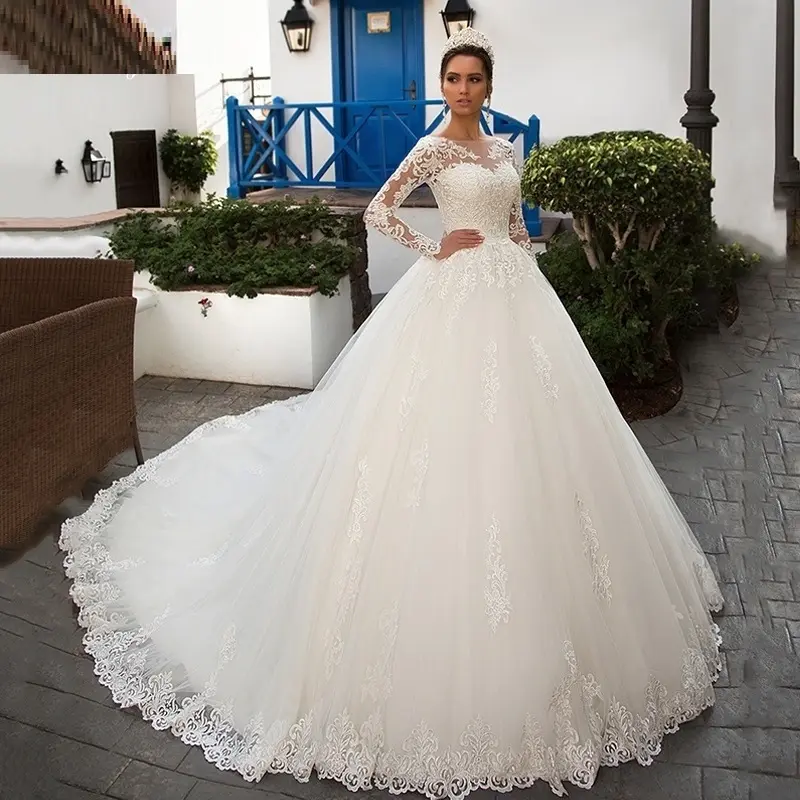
(60, 168)
(95, 167)
(457, 15)
(297, 26)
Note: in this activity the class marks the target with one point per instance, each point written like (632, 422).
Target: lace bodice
(476, 185)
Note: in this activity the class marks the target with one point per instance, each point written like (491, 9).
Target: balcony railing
(267, 152)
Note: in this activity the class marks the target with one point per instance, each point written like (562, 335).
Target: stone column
(699, 120)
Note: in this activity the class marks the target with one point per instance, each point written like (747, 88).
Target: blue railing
(262, 155)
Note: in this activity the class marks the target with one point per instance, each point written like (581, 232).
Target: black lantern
(95, 167)
(457, 15)
(297, 25)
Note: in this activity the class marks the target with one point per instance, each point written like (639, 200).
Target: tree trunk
(583, 230)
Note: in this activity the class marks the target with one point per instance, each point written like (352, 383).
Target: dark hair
(468, 50)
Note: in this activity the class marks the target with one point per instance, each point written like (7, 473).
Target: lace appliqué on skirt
(601, 582)
(543, 367)
(351, 577)
(498, 603)
(356, 755)
(490, 380)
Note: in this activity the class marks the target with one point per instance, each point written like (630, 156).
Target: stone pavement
(730, 453)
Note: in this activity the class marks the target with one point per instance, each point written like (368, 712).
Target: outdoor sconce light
(60, 168)
(457, 15)
(95, 167)
(297, 25)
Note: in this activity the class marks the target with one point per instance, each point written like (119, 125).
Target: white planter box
(47, 244)
(277, 339)
(145, 343)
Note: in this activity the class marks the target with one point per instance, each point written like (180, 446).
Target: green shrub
(644, 251)
(625, 187)
(240, 245)
(633, 312)
(614, 332)
(188, 161)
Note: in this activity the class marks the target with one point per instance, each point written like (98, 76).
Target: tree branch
(583, 230)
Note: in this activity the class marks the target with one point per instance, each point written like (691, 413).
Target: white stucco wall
(55, 115)
(216, 40)
(301, 77)
(304, 78)
(744, 141)
(584, 67)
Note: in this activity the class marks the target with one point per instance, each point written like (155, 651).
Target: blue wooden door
(383, 63)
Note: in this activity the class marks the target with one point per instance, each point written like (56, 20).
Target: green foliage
(240, 245)
(625, 187)
(635, 310)
(643, 261)
(188, 161)
(615, 334)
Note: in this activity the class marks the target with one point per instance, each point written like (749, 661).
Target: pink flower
(190, 269)
(204, 304)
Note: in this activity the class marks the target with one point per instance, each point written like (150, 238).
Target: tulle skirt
(450, 567)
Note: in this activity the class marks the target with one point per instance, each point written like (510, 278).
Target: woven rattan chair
(66, 382)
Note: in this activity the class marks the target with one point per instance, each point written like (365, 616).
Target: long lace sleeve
(418, 167)
(517, 229)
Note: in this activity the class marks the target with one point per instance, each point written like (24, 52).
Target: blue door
(383, 62)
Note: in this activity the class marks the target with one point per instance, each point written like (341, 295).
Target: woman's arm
(517, 229)
(417, 167)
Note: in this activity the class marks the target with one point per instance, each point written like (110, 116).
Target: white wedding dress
(450, 567)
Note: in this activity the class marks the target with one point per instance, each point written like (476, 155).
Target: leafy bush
(614, 332)
(635, 310)
(188, 161)
(627, 184)
(643, 254)
(240, 245)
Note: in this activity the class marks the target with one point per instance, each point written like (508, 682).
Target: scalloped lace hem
(355, 754)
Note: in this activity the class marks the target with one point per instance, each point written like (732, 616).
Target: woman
(450, 567)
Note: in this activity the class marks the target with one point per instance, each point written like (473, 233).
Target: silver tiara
(469, 36)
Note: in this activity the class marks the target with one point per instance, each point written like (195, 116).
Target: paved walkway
(731, 454)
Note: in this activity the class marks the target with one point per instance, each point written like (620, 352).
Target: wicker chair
(66, 383)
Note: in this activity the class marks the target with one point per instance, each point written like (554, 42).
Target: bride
(450, 567)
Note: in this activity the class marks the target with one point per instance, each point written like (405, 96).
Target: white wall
(301, 77)
(216, 40)
(304, 78)
(55, 114)
(625, 64)
(620, 64)
(744, 141)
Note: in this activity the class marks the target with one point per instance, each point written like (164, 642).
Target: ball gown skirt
(450, 567)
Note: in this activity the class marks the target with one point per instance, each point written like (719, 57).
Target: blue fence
(259, 149)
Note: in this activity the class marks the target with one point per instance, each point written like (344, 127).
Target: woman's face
(465, 86)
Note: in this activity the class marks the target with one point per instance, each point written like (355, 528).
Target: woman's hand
(464, 239)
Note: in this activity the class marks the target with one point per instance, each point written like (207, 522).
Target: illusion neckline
(463, 141)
